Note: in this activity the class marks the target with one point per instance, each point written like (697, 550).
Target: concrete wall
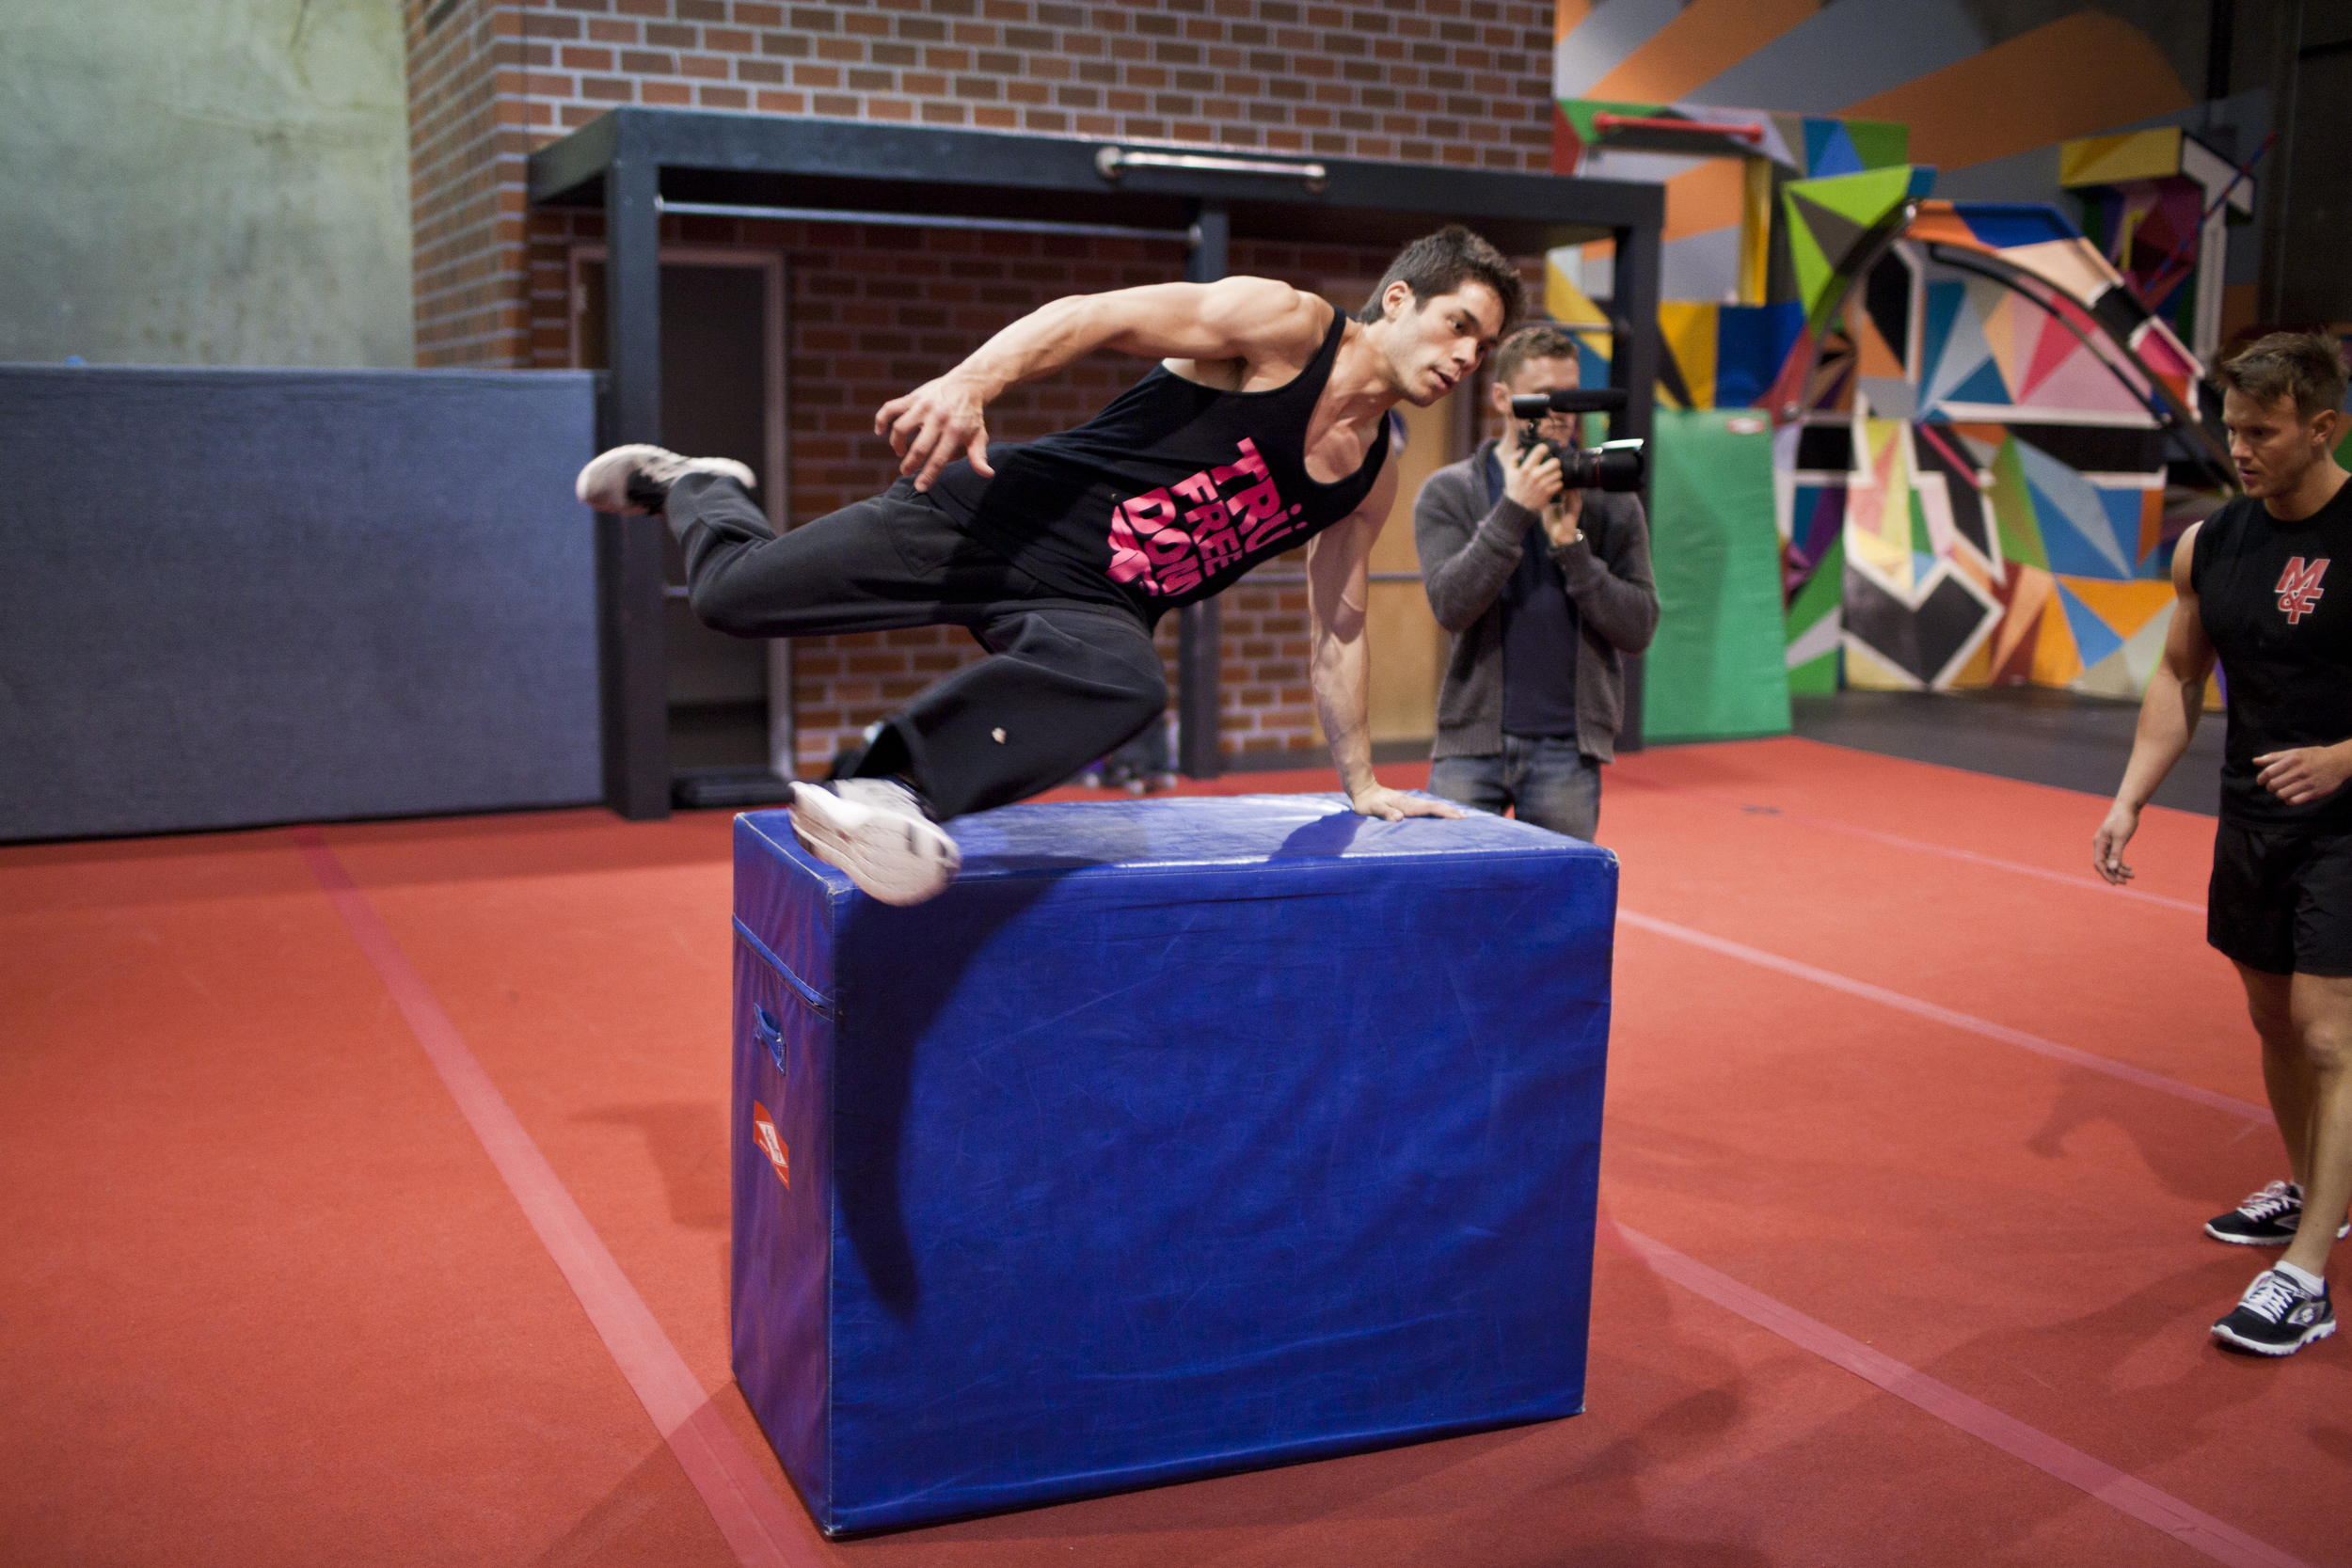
(205, 183)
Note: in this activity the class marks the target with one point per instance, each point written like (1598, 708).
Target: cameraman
(1542, 588)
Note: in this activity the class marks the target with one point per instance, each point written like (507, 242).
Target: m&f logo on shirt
(2298, 588)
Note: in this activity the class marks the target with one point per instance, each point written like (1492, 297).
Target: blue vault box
(1178, 1136)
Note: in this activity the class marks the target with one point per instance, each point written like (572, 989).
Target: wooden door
(1408, 647)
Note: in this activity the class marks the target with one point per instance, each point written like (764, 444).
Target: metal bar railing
(1114, 161)
(1187, 237)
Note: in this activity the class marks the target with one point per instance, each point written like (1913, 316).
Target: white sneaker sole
(895, 858)
(2248, 1240)
(603, 484)
(2316, 1332)
(2342, 1231)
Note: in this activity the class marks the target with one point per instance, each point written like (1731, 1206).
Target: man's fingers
(943, 451)
(976, 449)
(917, 451)
(907, 429)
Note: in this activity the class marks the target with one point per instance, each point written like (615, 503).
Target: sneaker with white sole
(2277, 1316)
(2266, 1218)
(876, 830)
(631, 480)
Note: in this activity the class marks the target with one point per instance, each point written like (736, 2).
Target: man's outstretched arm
(2167, 716)
(1252, 318)
(1339, 586)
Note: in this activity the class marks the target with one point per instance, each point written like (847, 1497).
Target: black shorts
(2281, 902)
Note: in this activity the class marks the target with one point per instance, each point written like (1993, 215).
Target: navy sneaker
(2267, 1218)
(2277, 1316)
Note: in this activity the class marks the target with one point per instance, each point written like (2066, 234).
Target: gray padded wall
(232, 598)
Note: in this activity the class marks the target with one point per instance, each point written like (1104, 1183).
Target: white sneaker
(875, 830)
(629, 481)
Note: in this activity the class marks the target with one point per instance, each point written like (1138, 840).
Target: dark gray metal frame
(629, 159)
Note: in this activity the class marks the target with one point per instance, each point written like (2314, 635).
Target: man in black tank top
(2265, 585)
(1265, 427)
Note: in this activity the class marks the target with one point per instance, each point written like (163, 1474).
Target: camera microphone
(1610, 466)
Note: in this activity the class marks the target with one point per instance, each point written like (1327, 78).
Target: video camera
(1610, 466)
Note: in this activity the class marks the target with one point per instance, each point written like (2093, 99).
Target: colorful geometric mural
(1989, 427)
(2004, 513)
(2156, 203)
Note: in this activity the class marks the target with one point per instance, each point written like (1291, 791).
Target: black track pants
(1067, 680)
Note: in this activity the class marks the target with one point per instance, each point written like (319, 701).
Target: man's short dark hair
(1441, 262)
(2303, 365)
(1540, 340)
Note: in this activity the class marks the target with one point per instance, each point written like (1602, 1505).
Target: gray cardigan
(1467, 552)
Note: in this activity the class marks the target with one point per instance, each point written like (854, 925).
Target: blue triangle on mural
(2093, 638)
(1982, 385)
(1942, 303)
(1816, 137)
(1836, 155)
(2123, 510)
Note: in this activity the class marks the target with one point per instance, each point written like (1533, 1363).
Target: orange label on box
(764, 1129)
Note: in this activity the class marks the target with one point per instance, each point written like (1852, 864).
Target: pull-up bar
(1189, 238)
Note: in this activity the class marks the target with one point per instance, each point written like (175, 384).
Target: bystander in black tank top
(2275, 599)
(1168, 495)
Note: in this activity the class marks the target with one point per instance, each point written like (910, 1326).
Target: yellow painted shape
(1866, 671)
(1689, 328)
(1706, 40)
(1755, 230)
(2072, 77)
(1891, 559)
(2112, 159)
(1884, 439)
(1565, 14)
(1977, 672)
(1567, 303)
(2125, 607)
(2056, 659)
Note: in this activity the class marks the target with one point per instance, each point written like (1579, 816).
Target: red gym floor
(1912, 1124)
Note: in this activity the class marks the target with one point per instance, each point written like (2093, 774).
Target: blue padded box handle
(771, 1034)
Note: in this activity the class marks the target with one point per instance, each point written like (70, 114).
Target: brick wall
(1459, 81)
(874, 312)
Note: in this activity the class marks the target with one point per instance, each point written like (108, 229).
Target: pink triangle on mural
(2056, 343)
(2083, 382)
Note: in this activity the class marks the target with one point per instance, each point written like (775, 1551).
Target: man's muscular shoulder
(1272, 330)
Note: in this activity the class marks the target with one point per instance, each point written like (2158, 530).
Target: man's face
(2272, 445)
(1434, 348)
(1540, 376)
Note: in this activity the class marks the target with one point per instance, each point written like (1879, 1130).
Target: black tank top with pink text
(1168, 495)
(2276, 601)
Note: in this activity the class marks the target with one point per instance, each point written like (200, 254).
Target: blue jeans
(1549, 782)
